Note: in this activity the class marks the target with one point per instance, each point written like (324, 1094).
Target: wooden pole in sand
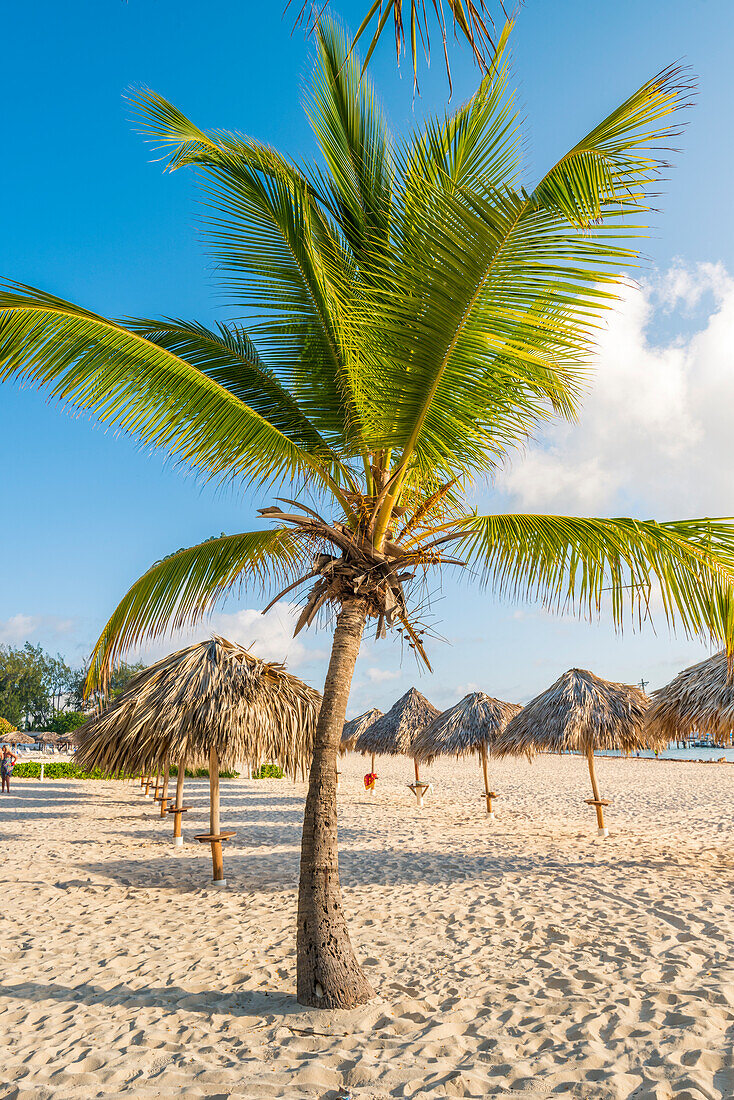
(418, 788)
(488, 795)
(148, 781)
(164, 790)
(157, 784)
(215, 836)
(597, 801)
(177, 810)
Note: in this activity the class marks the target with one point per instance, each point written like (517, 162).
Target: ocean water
(681, 754)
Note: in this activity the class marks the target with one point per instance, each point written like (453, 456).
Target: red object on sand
(369, 780)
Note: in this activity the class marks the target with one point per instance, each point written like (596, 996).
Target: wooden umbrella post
(164, 790)
(157, 784)
(148, 781)
(178, 810)
(488, 795)
(418, 788)
(142, 779)
(598, 802)
(215, 836)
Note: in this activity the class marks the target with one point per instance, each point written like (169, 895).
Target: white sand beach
(524, 958)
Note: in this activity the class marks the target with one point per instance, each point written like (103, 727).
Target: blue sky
(87, 215)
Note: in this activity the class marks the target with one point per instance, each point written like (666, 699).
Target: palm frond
(178, 591)
(283, 259)
(351, 132)
(581, 564)
(229, 356)
(496, 287)
(472, 20)
(91, 363)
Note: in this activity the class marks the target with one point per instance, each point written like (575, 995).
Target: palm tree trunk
(329, 975)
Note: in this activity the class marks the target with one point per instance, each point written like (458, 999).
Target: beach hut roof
(394, 732)
(211, 694)
(355, 727)
(474, 721)
(578, 713)
(698, 698)
(15, 737)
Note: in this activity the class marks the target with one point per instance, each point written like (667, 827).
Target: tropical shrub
(62, 769)
(202, 773)
(268, 771)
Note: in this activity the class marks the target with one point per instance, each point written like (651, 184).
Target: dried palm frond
(393, 734)
(700, 698)
(579, 713)
(355, 727)
(475, 720)
(211, 694)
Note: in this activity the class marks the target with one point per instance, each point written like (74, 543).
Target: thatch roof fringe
(355, 727)
(15, 737)
(475, 720)
(214, 693)
(394, 732)
(577, 713)
(700, 697)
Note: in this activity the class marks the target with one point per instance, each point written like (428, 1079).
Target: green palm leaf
(97, 365)
(178, 591)
(489, 278)
(229, 356)
(284, 259)
(583, 564)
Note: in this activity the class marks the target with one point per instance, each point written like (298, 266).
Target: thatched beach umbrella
(211, 702)
(355, 727)
(580, 713)
(700, 697)
(470, 726)
(15, 737)
(393, 734)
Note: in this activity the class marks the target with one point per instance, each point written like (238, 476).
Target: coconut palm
(415, 312)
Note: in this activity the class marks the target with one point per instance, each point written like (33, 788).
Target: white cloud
(24, 628)
(654, 435)
(269, 636)
(379, 675)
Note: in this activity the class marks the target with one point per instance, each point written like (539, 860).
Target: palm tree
(471, 20)
(415, 313)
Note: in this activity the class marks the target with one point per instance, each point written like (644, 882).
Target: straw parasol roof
(15, 737)
(579, 713)
(699, 697)
(214, 694)
(393, 734)
(355, 727)
(474, 721)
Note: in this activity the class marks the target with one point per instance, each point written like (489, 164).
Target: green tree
(416, 312)
(25, 687)
(66, 721)
(117, 681)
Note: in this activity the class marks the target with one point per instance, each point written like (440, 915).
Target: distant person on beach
(7, 763)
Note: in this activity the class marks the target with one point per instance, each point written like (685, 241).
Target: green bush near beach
(31, 769)
(202, 773)
(268, 771)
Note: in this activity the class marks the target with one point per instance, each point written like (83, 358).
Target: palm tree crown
(416, 312)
